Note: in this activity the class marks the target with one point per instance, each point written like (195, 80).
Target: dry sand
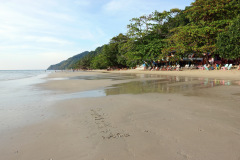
(219, 74)
(201, 124)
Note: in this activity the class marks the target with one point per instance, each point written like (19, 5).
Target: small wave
(6, 75)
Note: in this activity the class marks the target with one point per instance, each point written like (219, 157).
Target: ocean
(21, 101)
(6, 75)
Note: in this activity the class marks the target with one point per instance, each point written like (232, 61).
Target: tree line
(206, 26)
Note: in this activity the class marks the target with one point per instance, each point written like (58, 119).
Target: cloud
(120, 6)
(33, 21)
(82, 3)
(45, 39)
(40, 33)
(41, 60)
(117, 5)
(44, 29)
(140, 7)
(55, 15)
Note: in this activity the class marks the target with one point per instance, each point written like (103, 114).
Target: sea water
(21, 102)
(6, 75)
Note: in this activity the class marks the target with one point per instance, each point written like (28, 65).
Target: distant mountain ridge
(69, 63)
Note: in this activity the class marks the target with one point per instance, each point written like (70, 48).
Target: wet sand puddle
(107, 76)
(166, 85)
(146, 83)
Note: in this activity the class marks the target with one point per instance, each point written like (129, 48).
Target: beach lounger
(205, 67)
(224, 68)
(178, 68)
(200, 67)
(219, 67)
(187, 66)
(229, 67)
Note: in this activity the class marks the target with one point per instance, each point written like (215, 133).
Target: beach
(132, 115)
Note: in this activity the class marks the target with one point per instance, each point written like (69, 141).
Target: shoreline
(197, 124)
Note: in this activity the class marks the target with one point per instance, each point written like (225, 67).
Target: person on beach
(144, 66)
(210, 67)
(217, 66)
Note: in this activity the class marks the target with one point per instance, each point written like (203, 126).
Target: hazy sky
(37, 33)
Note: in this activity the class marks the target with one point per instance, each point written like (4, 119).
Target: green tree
(99, 62)
(139, 27)
(85, 62)
(118, 42)
(207, 26)
(110, 55)
(207, 19)
(228, 42)
(146, 37)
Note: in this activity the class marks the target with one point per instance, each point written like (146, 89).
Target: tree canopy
(206, 26)
(228, 42)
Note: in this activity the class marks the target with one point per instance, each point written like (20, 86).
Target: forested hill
(69, 63)
(205, 29)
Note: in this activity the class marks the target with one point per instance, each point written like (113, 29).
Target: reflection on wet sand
(168, 84)
(147, 83)
(107, 76)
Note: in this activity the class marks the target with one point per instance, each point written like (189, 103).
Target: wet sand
(195, 124)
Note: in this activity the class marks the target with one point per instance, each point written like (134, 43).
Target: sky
(35, 34)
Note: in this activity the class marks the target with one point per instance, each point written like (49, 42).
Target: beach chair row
(190, 67)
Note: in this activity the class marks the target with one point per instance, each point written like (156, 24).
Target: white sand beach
(195, 124)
